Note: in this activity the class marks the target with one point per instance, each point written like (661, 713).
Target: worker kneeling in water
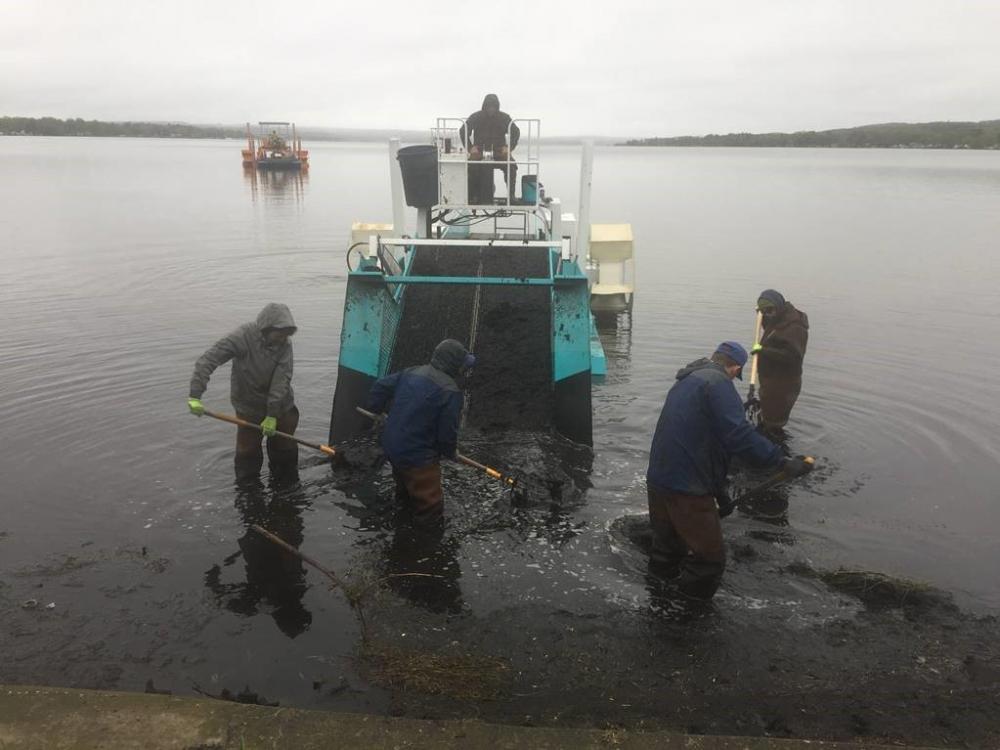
(422, 426)
(702, 425)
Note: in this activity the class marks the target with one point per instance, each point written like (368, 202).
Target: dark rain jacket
(261, 381)
(780, 367)
(702, 425)
(425, 411)
(784, 344)
(490, 132)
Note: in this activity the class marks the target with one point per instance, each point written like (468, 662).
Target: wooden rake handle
(756, 340)
(243, 423)
(490, 471)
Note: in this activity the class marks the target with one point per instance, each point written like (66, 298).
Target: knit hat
(735, 352)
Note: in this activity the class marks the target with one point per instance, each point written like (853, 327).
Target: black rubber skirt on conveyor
(511, 387)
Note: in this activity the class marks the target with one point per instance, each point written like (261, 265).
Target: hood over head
(774, 298)
(698, 364)
(275, 315)
(491, 99)
(448, 357)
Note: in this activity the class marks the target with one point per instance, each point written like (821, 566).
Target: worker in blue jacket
(702, 425)
(422, 425)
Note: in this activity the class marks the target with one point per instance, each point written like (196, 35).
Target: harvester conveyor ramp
(522, 306)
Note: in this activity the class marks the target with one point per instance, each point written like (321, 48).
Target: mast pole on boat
(396, 183)
(583, 214)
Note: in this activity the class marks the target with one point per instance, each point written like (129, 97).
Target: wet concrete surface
(34, 718)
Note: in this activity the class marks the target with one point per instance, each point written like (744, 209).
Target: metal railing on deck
(454, 162)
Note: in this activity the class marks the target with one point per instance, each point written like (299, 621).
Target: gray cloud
(627, 68)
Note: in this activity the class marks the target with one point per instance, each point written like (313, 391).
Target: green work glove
(755, 349)
(269, 426)
(196, 407)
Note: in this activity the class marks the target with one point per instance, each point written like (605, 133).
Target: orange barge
(275, 146)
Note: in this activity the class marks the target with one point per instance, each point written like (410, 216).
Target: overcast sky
(619, 67)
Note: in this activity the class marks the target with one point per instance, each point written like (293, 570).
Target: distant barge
(275, 146)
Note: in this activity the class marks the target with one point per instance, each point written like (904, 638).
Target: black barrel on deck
(419, 167)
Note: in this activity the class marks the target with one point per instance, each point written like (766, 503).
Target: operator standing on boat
(779, 355)
(701, 426)
(486, 131)
(260, 388)
(422, 426)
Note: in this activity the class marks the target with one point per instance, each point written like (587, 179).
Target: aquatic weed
(463, 676)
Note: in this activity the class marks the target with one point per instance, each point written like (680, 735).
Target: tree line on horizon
(971, 135)
(98, 128)
(53, 126)
(976, 135)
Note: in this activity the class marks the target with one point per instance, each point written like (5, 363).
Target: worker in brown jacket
(779, 353)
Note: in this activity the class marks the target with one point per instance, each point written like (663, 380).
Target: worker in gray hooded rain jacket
(260, 387)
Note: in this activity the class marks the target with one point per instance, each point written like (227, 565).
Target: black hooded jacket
(490, 132)
(784, 344)
(426, 405)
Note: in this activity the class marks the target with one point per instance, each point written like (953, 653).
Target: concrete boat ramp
(45, 718)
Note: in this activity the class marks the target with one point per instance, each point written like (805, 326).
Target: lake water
(122, 260)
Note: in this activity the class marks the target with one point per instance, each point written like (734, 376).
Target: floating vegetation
(246, 695)
(876, 590)
(464, 676)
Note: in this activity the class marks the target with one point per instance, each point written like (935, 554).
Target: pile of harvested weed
(880, 589)
(462, 676)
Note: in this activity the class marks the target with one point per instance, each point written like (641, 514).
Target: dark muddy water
(123, 259)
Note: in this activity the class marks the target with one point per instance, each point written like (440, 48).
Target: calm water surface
(122, 260)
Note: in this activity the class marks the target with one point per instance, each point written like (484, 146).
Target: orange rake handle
(243, 423)
(511, 481)
(491, 472)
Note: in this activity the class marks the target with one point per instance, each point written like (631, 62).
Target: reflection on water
(282, 184)
(275, 579)
(422, 565)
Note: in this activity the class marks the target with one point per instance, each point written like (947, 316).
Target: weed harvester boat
(507, 276)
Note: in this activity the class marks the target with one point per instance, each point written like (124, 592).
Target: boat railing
(455, 158)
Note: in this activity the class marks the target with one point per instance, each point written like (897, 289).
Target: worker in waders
(485, 132)
(424, 408)
(779, 353)
(260, 388)
(702, 425)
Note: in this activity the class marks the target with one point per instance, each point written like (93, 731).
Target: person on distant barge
(424, 407)
(780, 353)
(260, 388)
(275, 141)
(486, 130)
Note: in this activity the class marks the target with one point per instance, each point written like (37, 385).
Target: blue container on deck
(529, 188)
(419, 167)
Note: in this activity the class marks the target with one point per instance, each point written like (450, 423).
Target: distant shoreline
(983, 135)
(77, 128)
